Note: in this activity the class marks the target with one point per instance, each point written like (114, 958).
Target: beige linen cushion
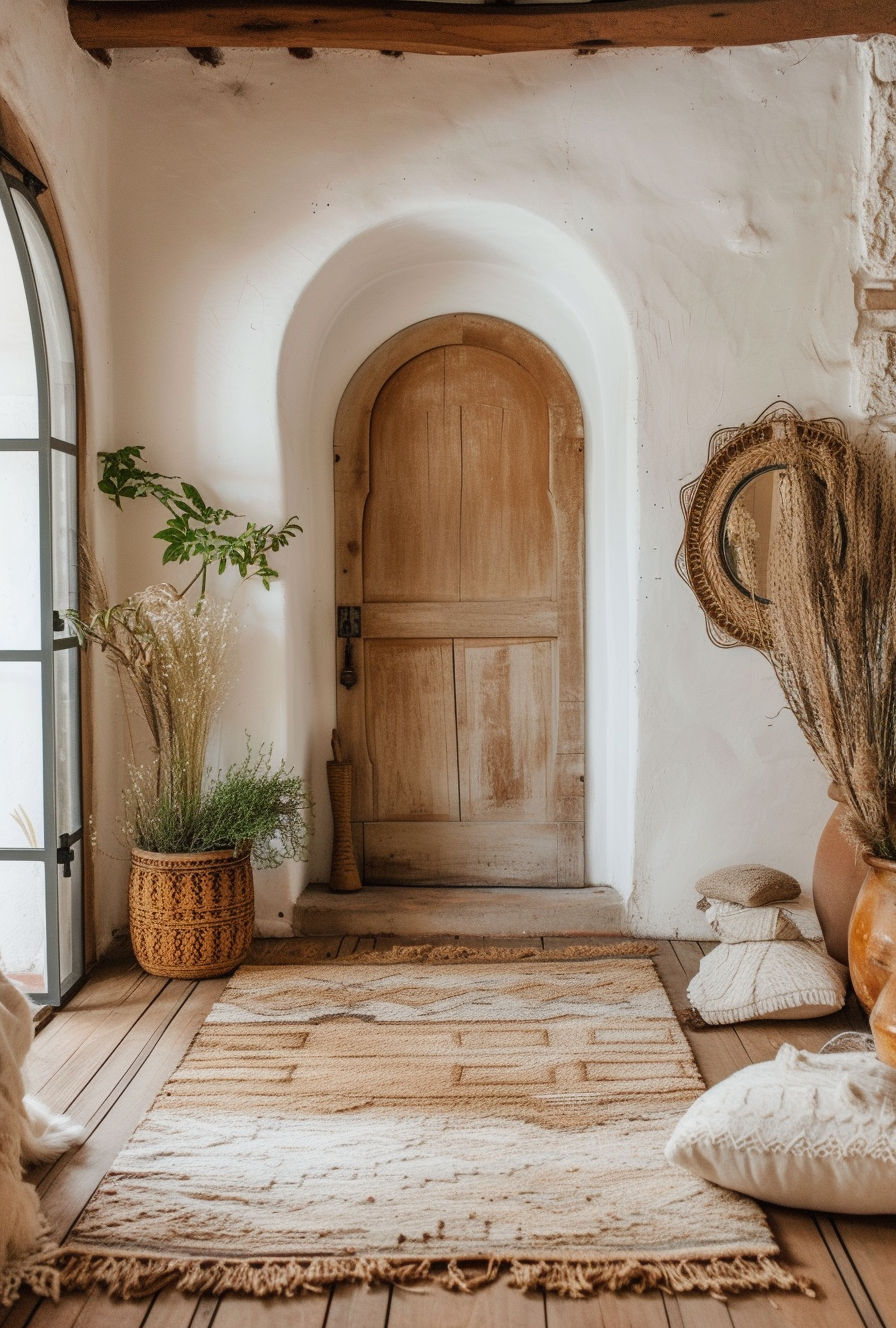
(750, 885)
(765, 979)
(808, 1131)
(733, 923)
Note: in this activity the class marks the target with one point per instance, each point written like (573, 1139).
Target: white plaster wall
(711, 194)
(60, 96)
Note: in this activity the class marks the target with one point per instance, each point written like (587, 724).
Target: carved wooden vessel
(343, 868)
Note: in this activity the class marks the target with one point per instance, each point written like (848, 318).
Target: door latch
(348, 628)
(348, 620)
(65, 854)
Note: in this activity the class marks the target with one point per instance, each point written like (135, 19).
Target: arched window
(41, 844)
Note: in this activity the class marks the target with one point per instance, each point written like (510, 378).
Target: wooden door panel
(411, 731)
(460, 533)
(570, 853)
(486, 618)
(508, 547)
(571, 728)
(458, 853)
(506, 726)
(411, 535)
(570, 786)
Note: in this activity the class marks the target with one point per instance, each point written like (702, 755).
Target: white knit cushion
(803, 1130)
(765, 979)
(734, 923)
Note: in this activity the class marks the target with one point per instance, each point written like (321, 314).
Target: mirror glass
(750, 524)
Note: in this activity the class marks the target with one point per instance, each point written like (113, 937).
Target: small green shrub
(249, 803)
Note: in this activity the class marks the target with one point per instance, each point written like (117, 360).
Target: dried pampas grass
(175, 655)
(832, 577)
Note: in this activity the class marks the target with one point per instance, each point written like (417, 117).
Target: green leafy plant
(192, 530)
(250, 803)
(173, 656)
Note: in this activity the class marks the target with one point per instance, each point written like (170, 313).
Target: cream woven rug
(405, 1121)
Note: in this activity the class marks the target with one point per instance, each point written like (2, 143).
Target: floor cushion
(750, 885)
(765, 980)
(733, 923)
(805, 1130)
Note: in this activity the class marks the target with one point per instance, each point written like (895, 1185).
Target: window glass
(23, 933)
(18, 375)
(57, 325)
(40, 898)
(20, 563)
(21, 769)
(64, 498)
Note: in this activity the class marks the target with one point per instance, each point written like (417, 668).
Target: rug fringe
(688, 1017)
(493, 954)
(39, 1272)
(132, 1277)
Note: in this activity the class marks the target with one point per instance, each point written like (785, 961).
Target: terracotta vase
(883, 1023)
(192, 914)
(836, 881)
(343, 868)
(872, 932)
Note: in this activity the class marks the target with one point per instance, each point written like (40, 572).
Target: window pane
(57, 324)
(18, 376)
(21, 769)
(65, 534)
(69, 897)
(20, 560)
(66, 670)
(23, 928)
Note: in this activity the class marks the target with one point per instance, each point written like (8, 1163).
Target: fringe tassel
(717, 1277)
(135, 1276)
(38, 1272)
(453, 954)
(688, 1017)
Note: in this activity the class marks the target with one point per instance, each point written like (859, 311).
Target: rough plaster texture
(696, 214)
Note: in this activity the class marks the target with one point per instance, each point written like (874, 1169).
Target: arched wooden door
(459, 538)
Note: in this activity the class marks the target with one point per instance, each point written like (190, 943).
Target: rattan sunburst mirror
(730, 512)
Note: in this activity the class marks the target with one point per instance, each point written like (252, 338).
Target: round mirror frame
(734, 617)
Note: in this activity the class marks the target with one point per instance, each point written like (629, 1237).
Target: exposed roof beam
(446, 29)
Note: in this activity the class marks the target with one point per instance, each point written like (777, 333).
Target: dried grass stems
(832, 575)
(175, 654)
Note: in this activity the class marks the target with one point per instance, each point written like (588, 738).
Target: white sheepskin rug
(29, 1134)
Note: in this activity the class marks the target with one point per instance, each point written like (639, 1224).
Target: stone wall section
(876, 277)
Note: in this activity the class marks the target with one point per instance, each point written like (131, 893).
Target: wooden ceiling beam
(446, 29)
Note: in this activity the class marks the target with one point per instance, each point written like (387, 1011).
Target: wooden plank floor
(106, 1055)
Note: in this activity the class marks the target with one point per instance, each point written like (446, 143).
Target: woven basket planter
(192, 914)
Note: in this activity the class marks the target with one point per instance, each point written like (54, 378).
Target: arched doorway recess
(459, 476)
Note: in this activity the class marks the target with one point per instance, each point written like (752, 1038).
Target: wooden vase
(343, 868)
(872, 932)
(192, 914)
(836, 881)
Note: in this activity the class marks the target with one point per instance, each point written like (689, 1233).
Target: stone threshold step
(414, 910)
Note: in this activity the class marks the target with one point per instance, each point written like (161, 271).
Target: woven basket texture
(192, 914)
